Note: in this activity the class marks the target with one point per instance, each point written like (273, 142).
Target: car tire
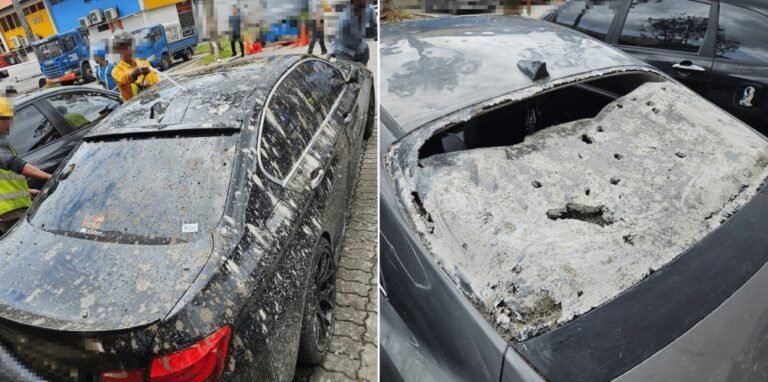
(371, 119)
(87, 72)
(187, 54)
(165, 62)
(42, 82)
(320, 307)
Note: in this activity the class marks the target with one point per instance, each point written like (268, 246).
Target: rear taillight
(201, 362)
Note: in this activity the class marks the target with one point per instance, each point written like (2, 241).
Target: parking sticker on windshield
(189, 228)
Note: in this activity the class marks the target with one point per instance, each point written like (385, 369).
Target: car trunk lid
(73, 284)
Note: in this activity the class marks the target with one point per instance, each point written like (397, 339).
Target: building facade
(38, 17)
(102, 18)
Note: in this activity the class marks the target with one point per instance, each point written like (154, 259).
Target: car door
(72, 114)
(740, 68)
(303, 150)
(674, 36)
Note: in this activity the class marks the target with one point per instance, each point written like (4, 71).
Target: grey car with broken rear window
(586, 224)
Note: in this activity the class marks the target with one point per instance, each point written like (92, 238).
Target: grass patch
(224, 52)
(402, 14)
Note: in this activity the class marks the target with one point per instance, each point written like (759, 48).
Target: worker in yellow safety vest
(131, 75)
(15, 195)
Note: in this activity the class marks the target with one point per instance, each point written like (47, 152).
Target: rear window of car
(540, 220)
(589, 17)
(145, 191)
(736, 37)
(670, 25)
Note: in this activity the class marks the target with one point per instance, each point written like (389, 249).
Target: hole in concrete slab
(536, 184)
(586, 139)
(599, 215)
(618, 156)
(655, 110)
(680, 155)
(600, 129)
(629, 239)
(615, 180)
(587, 191)
(650, 103)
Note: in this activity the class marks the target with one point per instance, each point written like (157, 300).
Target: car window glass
(324, 83)
(30, 130)
(110, 196)
(83, 109)
(589, 17)
(156, 34)
(671, 25)
(291, 120)
(736, 37)
(69, 43)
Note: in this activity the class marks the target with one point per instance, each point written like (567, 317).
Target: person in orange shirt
(131, 75)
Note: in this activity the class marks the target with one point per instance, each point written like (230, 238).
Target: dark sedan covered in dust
(554, 209)
(194, 234)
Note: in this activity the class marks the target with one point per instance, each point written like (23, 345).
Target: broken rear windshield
(543, 208)
(146, 191)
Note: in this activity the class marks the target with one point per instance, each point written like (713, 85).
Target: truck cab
(64, 58)
(161, 43)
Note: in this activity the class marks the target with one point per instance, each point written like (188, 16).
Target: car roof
(434, 67)
(216, 97)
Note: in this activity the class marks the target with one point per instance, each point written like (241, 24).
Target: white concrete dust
(663, 164)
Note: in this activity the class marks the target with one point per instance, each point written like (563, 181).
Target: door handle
(688, 66)
(317, 179)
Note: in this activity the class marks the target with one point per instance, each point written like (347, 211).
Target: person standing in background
(235, 26)
(104, 69)
(131, 75)
(317, 29)
(350, 42)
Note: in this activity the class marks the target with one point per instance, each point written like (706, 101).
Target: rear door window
(738, 35)
(589, 17)
(293, 117)
(670, 25)
(83, 109)
(30, 130)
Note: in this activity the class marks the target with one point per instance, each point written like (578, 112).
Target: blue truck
(64, 58)
(161, 43)
(286, 28)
